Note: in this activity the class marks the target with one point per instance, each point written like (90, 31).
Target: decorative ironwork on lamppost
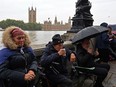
(83, 17)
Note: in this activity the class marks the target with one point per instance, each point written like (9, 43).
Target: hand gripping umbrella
(88, 32)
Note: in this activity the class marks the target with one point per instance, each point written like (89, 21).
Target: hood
(7, 39)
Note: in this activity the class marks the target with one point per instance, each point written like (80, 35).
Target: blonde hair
(8, 41)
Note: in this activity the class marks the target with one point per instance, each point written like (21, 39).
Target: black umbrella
(88, 32)
(101, 29)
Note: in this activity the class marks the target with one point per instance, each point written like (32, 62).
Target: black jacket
(53, 62)
(13, 68)
(84, 58)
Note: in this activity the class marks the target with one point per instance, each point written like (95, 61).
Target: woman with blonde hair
(17, 60)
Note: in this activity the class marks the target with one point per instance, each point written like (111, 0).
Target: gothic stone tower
(32, 15)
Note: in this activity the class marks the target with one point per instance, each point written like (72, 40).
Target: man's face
(58, 46)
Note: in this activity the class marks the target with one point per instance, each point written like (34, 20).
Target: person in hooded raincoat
(18, 63)
(54, 60)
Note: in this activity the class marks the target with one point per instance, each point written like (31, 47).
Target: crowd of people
(19, 66)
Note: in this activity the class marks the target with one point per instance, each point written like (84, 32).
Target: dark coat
(54, 63)
(2, 84)
(85, 59)
(102, 41)
(14, 65)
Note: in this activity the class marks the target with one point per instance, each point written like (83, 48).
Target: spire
(32, 15)
(69, 20)
(55, 21)
(32, 8)
(61, 22)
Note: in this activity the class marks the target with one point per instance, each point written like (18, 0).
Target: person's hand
(96, 53)
(72, 57)
(110, 39)
(62, 52)
(30, 75)
(90, 50)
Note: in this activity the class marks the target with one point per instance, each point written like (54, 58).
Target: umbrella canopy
(88, 32)
(101, 29)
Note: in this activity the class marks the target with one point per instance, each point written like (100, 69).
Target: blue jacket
(14, 65)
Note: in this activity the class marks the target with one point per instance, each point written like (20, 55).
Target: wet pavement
(110, 81)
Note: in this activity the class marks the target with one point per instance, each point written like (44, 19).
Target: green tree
(33, 26)
(21, 24)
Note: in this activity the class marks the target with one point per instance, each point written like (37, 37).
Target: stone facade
(56, 25)
(32, 15)
(47, 25)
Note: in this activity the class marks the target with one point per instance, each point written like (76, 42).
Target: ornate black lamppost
(83, 17)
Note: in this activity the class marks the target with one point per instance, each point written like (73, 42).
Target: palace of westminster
(47, 25)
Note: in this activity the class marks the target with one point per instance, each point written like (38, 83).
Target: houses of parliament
(47, 25)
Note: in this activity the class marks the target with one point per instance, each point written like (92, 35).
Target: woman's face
(86, 43)
(19, 40)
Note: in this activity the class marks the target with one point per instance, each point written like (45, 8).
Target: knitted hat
(56, 39)
(16, 32)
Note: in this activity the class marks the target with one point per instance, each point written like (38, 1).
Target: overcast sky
(102, 10)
